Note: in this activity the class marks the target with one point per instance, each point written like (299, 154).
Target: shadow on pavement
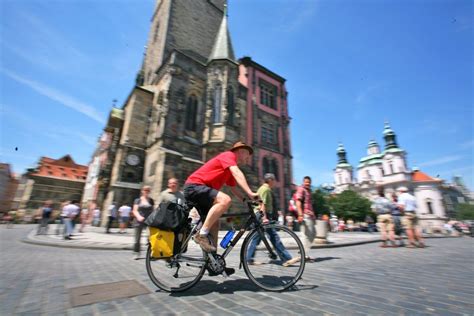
(230, 287)
(324, 259)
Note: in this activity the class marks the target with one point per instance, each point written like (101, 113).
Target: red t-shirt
(215, 173)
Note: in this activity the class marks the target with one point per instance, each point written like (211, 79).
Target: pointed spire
(222, 48)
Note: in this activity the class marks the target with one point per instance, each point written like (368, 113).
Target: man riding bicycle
(202, 188)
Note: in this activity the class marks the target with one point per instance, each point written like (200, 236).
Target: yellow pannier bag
(162, 243)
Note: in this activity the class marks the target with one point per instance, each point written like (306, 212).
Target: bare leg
(221, 205)
(411, 239)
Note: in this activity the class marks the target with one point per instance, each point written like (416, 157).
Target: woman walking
(142, 207)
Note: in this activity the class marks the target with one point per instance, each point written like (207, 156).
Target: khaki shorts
(410, 221)
(385, 222)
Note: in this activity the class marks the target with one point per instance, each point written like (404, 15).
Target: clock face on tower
(132, 160)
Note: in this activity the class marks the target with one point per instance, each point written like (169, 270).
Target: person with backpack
(45, 218)
(383, 208)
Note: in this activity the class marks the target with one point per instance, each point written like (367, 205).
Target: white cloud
(59, 97)
(441, 161)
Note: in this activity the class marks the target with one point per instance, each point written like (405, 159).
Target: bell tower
(222, 116)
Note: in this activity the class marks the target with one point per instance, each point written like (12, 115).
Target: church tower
(222, 119)
(394, 161)
(343, 171)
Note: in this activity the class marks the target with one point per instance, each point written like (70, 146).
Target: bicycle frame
(252, 219)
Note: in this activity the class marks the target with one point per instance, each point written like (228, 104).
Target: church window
(266, 166)
(340, 179)
(230, 106)
(382, 172)
(390, 164)
(217, 104)
(368, 175)
(430, 206)
(274, 168)
(191, 113)
(267, 94)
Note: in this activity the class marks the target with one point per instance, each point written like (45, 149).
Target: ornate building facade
(192, 100)
(53, 179)
(389, 169)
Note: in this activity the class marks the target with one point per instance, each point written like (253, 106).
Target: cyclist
(202, 188)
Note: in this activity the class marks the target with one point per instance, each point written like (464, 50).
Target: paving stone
(355, 280)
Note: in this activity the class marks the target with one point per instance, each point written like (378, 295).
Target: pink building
(268, 125)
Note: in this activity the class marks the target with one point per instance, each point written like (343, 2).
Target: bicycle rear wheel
(177, 273)
(279, 272)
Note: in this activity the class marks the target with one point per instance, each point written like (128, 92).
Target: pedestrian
(124, 213)
(112, 216)
(46, 212)
(84, 217)
(397, 216)
(96, 216)
(70, 213)
(142, 208)
(383, 208)
(172, 193)
(306, 215)
(407, 204)
(268, 207)
(292, 213)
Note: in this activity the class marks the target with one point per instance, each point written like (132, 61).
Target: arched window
(265, 166)
(217, 104)
(191, 113)
(429, 204)
(274, 168)
(230, 106)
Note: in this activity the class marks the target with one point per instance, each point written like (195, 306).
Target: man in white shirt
(407, 204)
(124, 212)
(70, 212)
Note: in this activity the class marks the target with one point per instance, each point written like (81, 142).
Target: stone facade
(192, 101)
(8, 187)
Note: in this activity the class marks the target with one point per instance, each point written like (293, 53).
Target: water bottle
(227, 238)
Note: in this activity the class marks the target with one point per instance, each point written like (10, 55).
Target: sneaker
(228, 271)
(291, 262)
(136, 256)
(67, 238)
(204, 242)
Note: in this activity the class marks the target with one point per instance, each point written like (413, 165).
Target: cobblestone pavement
(361, 279)
(96, 238)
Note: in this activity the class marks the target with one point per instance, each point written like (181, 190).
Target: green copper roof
(340, 148)
(343, 165)
(393, 150)
(387, 129)
(223, 46)
(370, 157)
(372, 143)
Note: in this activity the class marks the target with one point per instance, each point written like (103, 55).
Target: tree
(319, 201)
(349, 204)
(465, 211)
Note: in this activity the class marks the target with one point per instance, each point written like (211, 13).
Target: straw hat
(240, 145)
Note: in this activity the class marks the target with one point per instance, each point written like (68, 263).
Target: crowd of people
(397, 216)
(202, 190)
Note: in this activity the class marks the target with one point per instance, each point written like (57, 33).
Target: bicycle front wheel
(278, 263)
(177, 273)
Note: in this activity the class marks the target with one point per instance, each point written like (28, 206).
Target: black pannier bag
(168, 216)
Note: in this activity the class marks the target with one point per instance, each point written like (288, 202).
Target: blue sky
(349, 65)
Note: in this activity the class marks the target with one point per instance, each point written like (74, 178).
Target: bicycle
(187, 266)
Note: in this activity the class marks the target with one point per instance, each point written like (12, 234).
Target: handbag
(168, 216)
